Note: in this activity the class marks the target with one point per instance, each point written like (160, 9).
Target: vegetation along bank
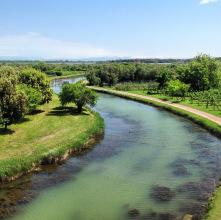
(37, 126)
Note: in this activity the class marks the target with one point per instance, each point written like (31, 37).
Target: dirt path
(203, 114)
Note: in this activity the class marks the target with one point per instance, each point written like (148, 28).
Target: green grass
(214, 212)
(186, 102)
(47, 134)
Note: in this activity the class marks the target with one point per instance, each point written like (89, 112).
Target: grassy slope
(215, 210)
(48, 133)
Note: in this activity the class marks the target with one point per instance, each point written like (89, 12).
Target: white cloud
(34, 45)
(206, 2)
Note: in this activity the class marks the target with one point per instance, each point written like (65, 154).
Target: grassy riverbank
(46, 135)
(215, 211)
(206, 123)
(69, 74)
(186, 102)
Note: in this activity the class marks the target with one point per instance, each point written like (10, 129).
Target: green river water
(143, 148)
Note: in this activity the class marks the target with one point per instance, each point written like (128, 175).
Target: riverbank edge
(83, 142)
(66, 77)
(210, 126)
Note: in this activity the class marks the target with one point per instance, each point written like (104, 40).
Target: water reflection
(56, 84)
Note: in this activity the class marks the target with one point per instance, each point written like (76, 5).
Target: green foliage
(176, 88)
(207, 98)
(152, 88)
(165, 75)
(34, 97)
(13, 102)
(111, 74)
(54, 73)
(202, 73)
(37, 80)
(21, 91)
(93, 79)
(79, 94)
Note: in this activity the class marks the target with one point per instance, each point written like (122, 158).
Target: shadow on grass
(64, 111)
(36, 112)
(6, 132)
(23, 120)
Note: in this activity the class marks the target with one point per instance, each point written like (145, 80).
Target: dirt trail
(203, 114)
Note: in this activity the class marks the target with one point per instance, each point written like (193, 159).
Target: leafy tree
(202, 73)
(13, 102)
(37, 80)
(177, 89)
(79, 94)
(33, 96)
(165, 75)
(112, 79)
(92, 78)
(42, 66)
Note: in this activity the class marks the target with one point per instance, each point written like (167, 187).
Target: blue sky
(69, 29)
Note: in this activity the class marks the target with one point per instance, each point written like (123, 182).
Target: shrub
(176, 88)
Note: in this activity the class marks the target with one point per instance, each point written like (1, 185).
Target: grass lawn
(50, 132)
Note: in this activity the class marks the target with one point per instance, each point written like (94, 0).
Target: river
(151, 164)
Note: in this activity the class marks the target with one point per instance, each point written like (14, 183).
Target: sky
(81, 29)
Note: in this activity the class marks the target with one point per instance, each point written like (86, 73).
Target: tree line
(200, 74)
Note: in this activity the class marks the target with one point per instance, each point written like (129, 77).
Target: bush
(176, 88)
(33, 97)
(37, 80)
(152, 88)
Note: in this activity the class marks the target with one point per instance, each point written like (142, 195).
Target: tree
(202, 73)
(165, 74)
(112, 79)
(33, 96)
(92, 78)
(79, 94)
(177, 89)
(37, 80)
(13, 102)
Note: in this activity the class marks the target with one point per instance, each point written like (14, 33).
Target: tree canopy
(79, 94)
(36, 80)
(202, 73)
(21, 91)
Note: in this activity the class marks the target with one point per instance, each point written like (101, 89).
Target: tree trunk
(6, 126)
(79, 108)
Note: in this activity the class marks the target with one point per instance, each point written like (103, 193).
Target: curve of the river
(151, 165)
